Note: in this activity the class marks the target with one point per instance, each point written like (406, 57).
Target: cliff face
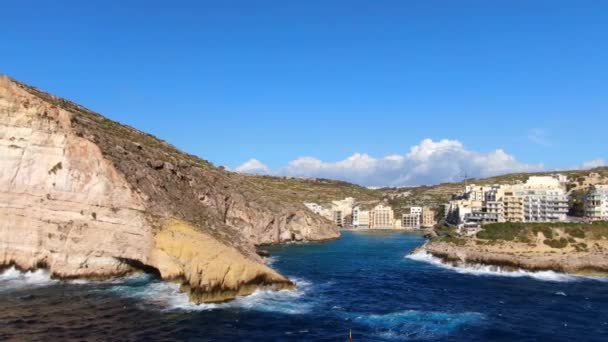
(84, 196)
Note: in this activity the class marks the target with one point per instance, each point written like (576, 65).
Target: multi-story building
(544, 199)
(381, 217)
(410, 221)
(428, 218)
(513, 206)
(596, 203)
(360, 217)
(475, 192)
(495, 209)
(338, 218)
(539, 199)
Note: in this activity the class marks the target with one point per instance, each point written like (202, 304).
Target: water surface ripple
(364, 282)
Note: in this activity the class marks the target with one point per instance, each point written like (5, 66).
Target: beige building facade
(381, 217)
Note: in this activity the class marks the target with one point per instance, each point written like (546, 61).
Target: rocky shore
(531, 255)
(84, 196)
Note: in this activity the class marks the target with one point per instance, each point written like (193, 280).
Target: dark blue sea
(362, 283)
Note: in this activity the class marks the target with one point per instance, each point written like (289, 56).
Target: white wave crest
(415, 325)
(167, 296)
(271, 260)
(489, 270)
(14, 279)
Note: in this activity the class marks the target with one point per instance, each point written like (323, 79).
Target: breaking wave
(271, 260)
(490, 270)
(413, 324)
(167, 296)
(14, 279)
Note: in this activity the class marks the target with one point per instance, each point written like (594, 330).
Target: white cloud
(253, 166)
(593, 164)
(429, 162)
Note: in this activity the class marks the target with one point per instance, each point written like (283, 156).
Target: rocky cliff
(84, 196)
(567, 248)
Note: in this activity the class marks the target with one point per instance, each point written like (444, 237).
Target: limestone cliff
(566, 248)
(85, 196)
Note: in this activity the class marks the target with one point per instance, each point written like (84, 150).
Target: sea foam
(167, 296)
(414, 324)
(14, 279)
(489, 270)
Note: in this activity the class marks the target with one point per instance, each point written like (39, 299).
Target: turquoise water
(363, 282)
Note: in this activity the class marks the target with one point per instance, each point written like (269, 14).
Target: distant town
(538, 199)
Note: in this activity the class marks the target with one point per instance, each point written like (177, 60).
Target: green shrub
(453, 240)
(502, 231)
(576, 232)
(547, 232)
(581, 247)
(597, 231)
(524, 239)
(561, 243)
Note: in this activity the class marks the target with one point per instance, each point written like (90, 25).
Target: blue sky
(343, 83)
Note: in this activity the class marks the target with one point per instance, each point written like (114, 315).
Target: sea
(367, 285)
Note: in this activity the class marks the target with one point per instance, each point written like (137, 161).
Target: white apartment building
(360, 217)
(416, 210)
(596, 203)
(544, 199)
(381, 217)
(539, 199)
(314, 207)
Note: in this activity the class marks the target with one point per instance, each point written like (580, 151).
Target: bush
(524, 239)
(561, 243)
(547, 232)
(576, 232)
(453, 240)
(597, 231)
(581, 247)
(502, 231)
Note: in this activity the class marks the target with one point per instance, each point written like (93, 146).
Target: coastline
(516, 256)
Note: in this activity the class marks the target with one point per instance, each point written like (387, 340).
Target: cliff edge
(561, 247)
(84, 196)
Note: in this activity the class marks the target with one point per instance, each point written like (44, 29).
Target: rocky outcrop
(85, 196)
(514, 255)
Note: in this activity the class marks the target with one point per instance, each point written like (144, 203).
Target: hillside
(84, 196)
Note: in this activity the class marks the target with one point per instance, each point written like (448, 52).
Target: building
(360, 217)
(495, 209)
(544, 199)
(342, 209)
(337, 217)
(513, 207)
(596, 203)
(482, 217)
(428, 218)
(539, 199)
(410, 221)
(381, 217)
(314, 207)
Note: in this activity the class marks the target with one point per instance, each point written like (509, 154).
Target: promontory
(84, 196)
